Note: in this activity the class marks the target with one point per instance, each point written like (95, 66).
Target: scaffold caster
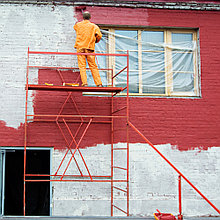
(164, 216)
(180, 217)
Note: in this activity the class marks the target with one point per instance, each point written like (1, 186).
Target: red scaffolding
(74, 146)
(88, 120)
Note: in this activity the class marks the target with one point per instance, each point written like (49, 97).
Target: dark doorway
(37, 193)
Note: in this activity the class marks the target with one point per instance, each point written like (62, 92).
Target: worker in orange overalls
(87, 34)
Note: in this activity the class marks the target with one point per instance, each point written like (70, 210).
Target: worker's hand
(97, 38)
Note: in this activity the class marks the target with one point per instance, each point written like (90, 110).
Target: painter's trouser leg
(82, 66)
(94, 68)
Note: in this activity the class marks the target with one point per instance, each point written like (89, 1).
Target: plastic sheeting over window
(160, 62)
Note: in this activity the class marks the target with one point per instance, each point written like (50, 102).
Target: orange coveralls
(87, 34)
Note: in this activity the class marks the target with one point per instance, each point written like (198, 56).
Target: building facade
(174, 102)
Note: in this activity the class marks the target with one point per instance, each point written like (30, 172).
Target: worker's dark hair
(86, 15)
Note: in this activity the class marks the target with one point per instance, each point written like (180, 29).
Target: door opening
(37, 193)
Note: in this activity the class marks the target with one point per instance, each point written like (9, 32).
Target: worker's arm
(98, 35)
(75, 27)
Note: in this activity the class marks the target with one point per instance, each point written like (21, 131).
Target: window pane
(127, 40)
(133, 86)
(153, 66)
(101, 47)
(153, 61)
(181, 37)
(121, 62)
(183, 82)
(182, 62)
(101, 61)
(152, 40)
(154, 82)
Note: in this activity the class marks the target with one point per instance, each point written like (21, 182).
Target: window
(162, 62)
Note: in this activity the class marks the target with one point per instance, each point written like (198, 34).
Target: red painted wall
(184, 122)
(187, 123)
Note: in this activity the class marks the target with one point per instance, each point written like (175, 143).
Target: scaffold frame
(89, 120)
(79, 118)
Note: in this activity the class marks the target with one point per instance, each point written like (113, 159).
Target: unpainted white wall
(153, 183)
(41, 28)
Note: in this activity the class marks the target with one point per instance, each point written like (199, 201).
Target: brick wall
(185, 130)
(22, 26)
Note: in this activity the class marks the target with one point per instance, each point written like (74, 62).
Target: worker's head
(86, 15)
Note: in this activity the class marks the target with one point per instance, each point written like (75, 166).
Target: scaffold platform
(75, 88)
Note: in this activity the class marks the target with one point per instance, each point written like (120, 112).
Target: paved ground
(98, 218)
